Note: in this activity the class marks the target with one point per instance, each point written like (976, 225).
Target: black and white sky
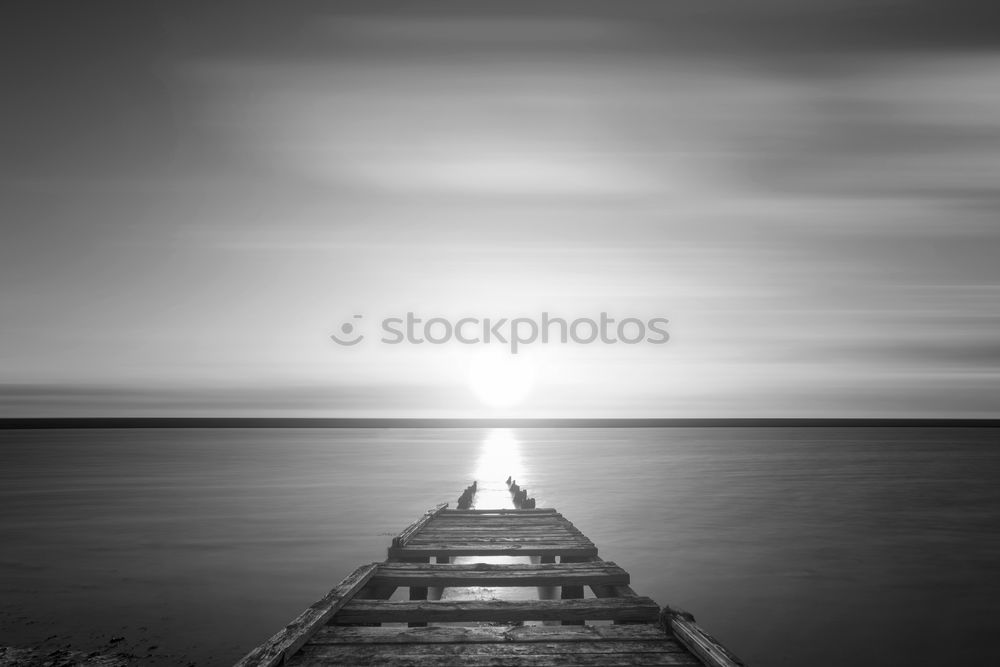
(194, 195)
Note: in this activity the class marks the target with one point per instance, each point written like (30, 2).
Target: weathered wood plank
(488, 574)
(444, 611)
(414, 527)
(494, 535)
(502, 511)
(497, 534)
(443, 528)
(457, 634)
(512, 515)
(498, 518)
(288, 640)
(699, 642)
(493, 550)
(511, 530)
(568, 526)
(527, 530)
(499, 515)
(501, 648)
(397, 656)
(476, 530)
(494, 524)
(499, 538)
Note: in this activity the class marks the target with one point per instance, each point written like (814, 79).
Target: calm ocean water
(810, 546)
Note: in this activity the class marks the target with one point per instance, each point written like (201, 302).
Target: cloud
(159, 400)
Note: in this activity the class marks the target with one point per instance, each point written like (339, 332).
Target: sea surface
(793, 546)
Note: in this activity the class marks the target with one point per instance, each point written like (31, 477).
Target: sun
(501, 379)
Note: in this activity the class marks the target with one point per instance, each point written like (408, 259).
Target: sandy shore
(23, 657)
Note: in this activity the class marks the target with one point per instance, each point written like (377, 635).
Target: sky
(195, 196)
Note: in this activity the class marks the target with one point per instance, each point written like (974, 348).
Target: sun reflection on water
(499, 457)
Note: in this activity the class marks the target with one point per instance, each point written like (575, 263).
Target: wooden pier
(357, 624)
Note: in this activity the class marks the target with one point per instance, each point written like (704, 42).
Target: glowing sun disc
(501, 380)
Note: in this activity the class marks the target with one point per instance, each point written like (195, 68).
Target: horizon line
(28, 423)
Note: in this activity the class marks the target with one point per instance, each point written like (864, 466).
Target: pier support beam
(435, 592)
(572, 592)
(547, 592)
(417, 592)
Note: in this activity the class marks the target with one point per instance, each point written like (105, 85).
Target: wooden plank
(521, 526)
(570, 527)
(509, 654)
(288, 640)
(502, 512)
(550, 647)
(458, 634)
(488, 574)
(464, 536)
(499, 538)
(497, 525)
(486, 532)
(555, 531)
(498, 649)
(520, 530)
(525, 515)
(498, 518)
(444, 611)
(495, 536)
(451, 550)
(414, 527)
(491, 524)
(699, 642)
(446, 527)
(494, 530)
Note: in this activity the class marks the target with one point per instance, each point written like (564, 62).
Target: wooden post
(465, 500)
(547, 592)
(417, 592)
(435, 592)
(572, 592)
